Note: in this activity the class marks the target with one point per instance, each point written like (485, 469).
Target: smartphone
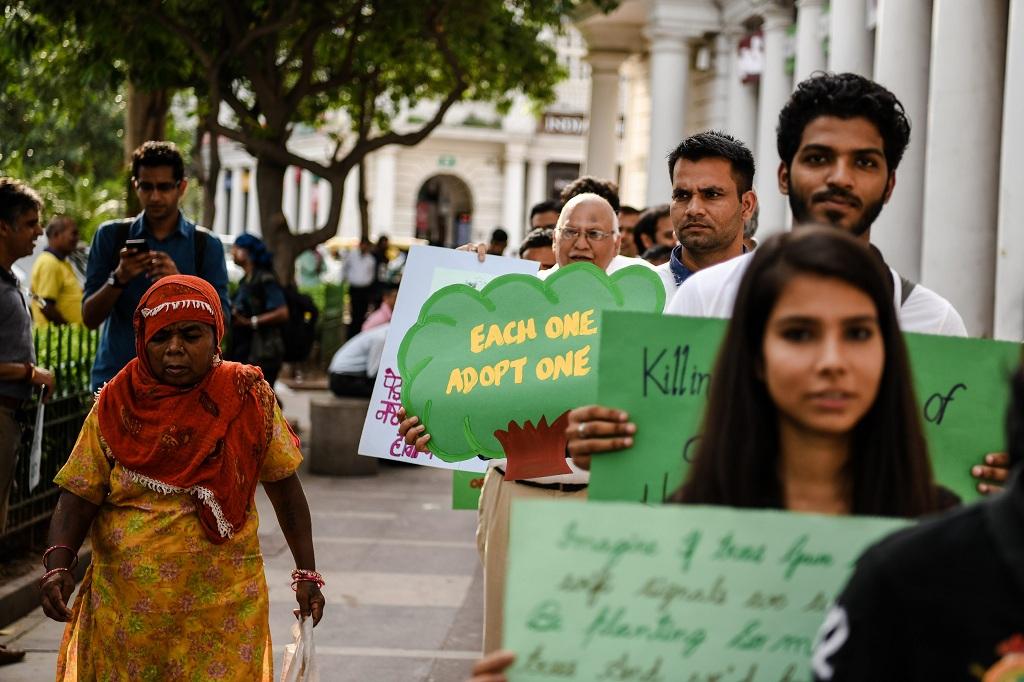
(136, 245)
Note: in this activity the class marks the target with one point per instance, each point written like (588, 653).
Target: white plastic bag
(300, 656)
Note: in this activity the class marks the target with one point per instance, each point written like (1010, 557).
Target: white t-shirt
(360, 354)
(712, 293)
(360, 269)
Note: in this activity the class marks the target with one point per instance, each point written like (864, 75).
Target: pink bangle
(74, 555)
(49, 574)
(302, 575)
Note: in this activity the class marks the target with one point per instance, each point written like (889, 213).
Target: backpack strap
(906, 286)
(203, 235)
(121, 229)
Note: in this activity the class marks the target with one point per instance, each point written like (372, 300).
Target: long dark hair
(737, 461)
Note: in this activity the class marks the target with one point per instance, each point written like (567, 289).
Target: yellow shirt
(54, 279)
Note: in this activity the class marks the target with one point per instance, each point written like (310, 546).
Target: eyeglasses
(571, 234)
(158, 186)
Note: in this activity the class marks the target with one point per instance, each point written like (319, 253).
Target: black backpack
(300, 329)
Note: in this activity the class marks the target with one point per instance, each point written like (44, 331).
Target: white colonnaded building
(653, 71)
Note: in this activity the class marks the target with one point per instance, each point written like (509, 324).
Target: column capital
(776, 19)
(669, 38)
(606, 61)
(515, 151)
(801, 4)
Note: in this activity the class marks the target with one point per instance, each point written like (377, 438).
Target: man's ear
(783, 175)
(889, 187)
(748, 204)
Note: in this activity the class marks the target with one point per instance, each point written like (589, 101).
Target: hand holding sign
(495, 372)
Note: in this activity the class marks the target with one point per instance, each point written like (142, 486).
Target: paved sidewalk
(404, 593)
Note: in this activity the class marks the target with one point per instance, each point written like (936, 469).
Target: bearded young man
(840, 138)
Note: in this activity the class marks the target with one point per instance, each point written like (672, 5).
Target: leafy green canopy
(520, 350)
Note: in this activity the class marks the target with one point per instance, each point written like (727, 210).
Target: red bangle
(302, 575)
(74, 555)
(49, 574)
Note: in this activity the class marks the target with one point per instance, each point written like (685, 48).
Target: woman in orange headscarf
(164, 474)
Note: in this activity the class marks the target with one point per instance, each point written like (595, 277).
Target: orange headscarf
(207, 440)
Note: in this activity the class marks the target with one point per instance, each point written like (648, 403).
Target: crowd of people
(811, 406)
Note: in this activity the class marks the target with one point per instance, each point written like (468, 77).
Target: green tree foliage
(281, 64)
(60, 111)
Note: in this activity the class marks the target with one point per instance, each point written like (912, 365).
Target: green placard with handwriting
(658, 368)
(618, 591)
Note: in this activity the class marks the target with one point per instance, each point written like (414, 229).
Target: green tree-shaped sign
(495, 372)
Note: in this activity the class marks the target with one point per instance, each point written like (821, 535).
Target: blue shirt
(117, 340)
(675, 263)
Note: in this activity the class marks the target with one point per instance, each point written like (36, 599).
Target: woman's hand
(596, 429)
(54, 595)
(492, 667)
(311, 600)
(413, 432)
(480, 248)
(993, 473)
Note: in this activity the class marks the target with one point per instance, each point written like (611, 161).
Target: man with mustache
(712, 198)
(840, 138)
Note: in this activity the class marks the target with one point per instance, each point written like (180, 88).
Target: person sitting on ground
(56, 291)
(353, 369)
(539, 247)
(384, 311)
(163, 477)
(259, 309)
(887, 624)
(811, 406)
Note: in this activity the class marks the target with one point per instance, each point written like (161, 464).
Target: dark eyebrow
(712, 188)
(861, 319)
(826, 149)
(191, 327)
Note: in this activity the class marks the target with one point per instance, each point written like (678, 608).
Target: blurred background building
(653, 71)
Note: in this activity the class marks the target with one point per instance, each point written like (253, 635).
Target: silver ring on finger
(582, 430)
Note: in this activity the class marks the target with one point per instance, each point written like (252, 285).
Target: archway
(444, 211)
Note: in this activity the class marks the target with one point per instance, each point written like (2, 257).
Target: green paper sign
(963, 388)
(658, 369)
(466, 486)
(661, 374)
(606, 591)
(495, 372)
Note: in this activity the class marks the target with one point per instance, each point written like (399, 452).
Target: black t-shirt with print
(940, 601)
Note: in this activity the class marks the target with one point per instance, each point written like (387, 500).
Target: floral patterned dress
(160, 601)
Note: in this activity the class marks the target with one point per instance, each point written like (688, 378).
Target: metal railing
(67, 350)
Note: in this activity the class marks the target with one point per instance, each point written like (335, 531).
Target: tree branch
(272, 150)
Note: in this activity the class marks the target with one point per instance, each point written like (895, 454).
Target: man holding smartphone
(127, 256)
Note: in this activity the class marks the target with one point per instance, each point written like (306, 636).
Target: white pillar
(635, 138)
(810, 56)
(670, 75)
(514, 191)
(306, 202)
(902, 53)
(849, 40)
(536, 183)
(237, 201)
(775, 88)
(220, 218)
(349, 221)
(252, 222)
(741, 120)
(383, 197)
(323, 202)
(1009, 303)
(962, 169)
(602, 142)
(720, 85)
(290, 199)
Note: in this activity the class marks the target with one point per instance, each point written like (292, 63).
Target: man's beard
(802, 212)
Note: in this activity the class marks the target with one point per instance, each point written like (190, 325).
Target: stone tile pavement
(404, 599)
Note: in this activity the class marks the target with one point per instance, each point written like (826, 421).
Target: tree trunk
(364, 205)
(277, 233)
(145, 119)
(207, 174)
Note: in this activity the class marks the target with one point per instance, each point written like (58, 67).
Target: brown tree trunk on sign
(145, 118)
(364, 204)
